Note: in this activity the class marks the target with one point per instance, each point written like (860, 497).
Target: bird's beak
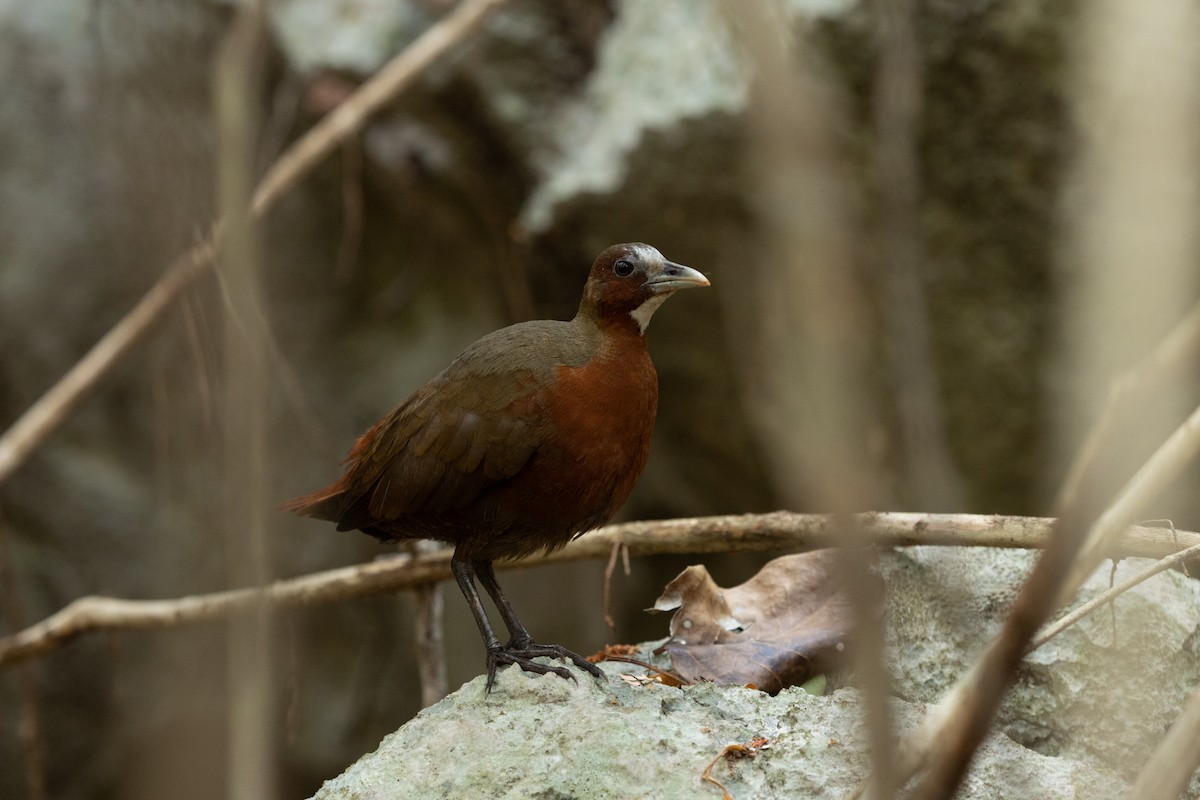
(674, 276)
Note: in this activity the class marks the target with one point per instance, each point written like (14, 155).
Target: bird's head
(630, 281)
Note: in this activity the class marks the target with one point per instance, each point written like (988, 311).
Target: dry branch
(430, 632)
(1166, 774)
(746, 533)
(52, 408)
(238, 77)
(1171, 356)
(1067, 620)
(382, 88)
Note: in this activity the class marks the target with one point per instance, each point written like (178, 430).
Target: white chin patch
(642, 314)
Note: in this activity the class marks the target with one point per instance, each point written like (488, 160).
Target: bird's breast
(600, 416)
(603, 411)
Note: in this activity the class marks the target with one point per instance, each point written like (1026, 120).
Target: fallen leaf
(777, 629)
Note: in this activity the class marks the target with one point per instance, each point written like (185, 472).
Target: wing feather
(472, 427)
(441, 454)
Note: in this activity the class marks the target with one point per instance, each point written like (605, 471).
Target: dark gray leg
(464, 574)
(520, 642)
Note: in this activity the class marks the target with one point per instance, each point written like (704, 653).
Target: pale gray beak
(676, 276)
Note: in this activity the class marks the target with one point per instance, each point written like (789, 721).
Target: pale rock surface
(542, 737)
(1081, 721)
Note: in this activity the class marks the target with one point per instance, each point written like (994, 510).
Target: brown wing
(475, 425)
(440, 450)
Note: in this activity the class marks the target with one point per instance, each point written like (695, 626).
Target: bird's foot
(522, 653)
(531, 649)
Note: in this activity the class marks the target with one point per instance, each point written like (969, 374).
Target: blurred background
(881, 194)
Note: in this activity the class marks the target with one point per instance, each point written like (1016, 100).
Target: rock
(1080, 722)
(542, 737)
(357, 36)
(1077, 696)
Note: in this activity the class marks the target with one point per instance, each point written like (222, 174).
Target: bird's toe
(524, 659)
(531, 649)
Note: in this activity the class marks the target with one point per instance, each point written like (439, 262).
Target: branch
(52, 409)
(49, 412)
(1169, 769)
(382, 88)
(238, 76)
(746, 533)
(1171, 356)
(1107, 596)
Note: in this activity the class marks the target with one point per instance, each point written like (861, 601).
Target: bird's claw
(522, 654)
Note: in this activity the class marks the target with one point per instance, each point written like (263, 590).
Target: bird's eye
(623, 268)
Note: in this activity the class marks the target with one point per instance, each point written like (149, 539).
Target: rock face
(1081, 695)
(1081, 721)
(546, 738)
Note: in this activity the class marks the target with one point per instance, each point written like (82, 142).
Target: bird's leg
(464, 573)
(520, 642)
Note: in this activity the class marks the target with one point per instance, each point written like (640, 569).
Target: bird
(534, 435)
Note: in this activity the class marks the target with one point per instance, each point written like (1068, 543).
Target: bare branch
(1171, 356)
(746, 533)
(55, 406)
(395, 76)
(1166, 774)
(1067, 620)
(807, 313)
(430, 632)
(1154, 476)
(250, 654)
(52, 409)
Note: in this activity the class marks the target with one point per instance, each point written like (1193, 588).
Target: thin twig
(732, 752)
(431, 643)
(52, 409)
(748, 533)
(1111, 594)
(707, 777)
(1171, 356)
(1161, 469)
(609, 569)
(49, 412)
(430, 633)
(250, 771)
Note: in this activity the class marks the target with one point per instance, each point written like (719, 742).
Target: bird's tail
(322, 504)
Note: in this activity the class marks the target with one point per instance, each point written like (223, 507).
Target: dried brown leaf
(777, 629)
